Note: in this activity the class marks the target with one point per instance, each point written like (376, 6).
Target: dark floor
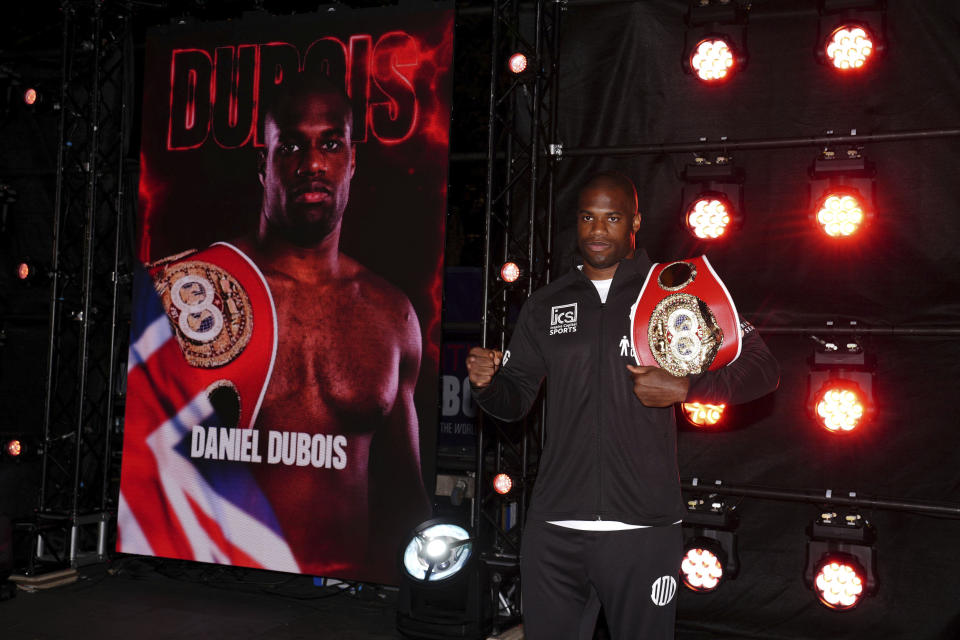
(139, 598)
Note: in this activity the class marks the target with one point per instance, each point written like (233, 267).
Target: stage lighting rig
(444, 585)
(841, 559)
(712, 198)
(840, 387)
(842, 189)
(715, 45)
(710, 543)
(851, 34)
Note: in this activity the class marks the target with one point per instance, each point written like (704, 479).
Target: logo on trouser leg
(663, 590)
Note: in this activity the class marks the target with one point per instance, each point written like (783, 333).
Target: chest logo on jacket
(563, 318)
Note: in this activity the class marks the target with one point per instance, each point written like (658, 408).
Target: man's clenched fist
(482, 364)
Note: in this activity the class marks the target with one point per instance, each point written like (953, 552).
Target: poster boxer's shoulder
(156, 265)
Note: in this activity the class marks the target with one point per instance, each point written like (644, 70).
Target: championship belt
(684, 320)
(222, 314)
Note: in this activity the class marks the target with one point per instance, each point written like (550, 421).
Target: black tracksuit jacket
(607, 456)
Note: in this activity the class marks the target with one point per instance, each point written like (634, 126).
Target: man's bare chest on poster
(337, 362)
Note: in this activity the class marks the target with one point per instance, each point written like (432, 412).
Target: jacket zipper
(599, 426)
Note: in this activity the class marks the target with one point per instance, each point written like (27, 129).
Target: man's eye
(288, 148)
(332, 145)
(613, 218)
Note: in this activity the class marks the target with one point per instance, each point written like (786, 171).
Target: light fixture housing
(502, 483)
(840, 364)
(510, 272)
(521, 66)
(841, 539)
(716, 34)
(842, 174)
(517, 63)
(437, 551)
(842, 19)
(703, 414)
(450, 599)
(31, 96)
(703, 565)
(709, 525)
(712, 181)
(13, 447)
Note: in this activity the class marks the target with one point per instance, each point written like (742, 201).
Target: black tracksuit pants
(568, 573)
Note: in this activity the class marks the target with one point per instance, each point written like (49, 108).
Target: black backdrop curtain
(622, 83)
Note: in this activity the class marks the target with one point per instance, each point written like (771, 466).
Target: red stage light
(23, 271)
(839, 582)
(30, 96)
(849, 47)
(702, 414)
(712, 60)
(518, 63)
(14, 448)
(840, 214)
(708, 217)
(502, 483)
(840, 406)
(701, 570)
(509, 272)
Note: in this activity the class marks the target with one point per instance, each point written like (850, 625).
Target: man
(348, 351)
(604, 518)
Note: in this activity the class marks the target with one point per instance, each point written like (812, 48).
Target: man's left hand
(657, 388)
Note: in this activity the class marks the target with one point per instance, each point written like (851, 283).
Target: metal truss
(80, 460)
(519, 228)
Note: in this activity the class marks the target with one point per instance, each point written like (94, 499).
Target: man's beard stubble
(305, 225)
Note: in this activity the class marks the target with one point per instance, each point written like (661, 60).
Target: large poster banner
(285, 342)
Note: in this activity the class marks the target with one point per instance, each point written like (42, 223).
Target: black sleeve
(513, 389)
(754, 374)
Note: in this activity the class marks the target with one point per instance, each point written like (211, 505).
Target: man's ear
(353, 160)
(261, 166)
(636, 222)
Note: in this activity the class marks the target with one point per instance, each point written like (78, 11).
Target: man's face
(306, 167)
(607, 220)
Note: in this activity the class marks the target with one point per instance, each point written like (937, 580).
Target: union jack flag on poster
(172, 505)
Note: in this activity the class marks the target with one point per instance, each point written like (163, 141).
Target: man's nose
(597, 227)
(312, 163)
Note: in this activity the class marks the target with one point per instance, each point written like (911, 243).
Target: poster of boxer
(282, 386)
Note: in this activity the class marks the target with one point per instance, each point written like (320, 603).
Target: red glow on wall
(435, 109)
(146, 198)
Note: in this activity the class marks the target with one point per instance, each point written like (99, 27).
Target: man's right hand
(482, 364)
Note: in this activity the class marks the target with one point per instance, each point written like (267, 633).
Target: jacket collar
(639, 264)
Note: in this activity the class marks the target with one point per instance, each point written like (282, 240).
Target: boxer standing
(604, 518)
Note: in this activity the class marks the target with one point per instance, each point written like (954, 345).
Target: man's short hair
(616, 180)
(301, 84)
